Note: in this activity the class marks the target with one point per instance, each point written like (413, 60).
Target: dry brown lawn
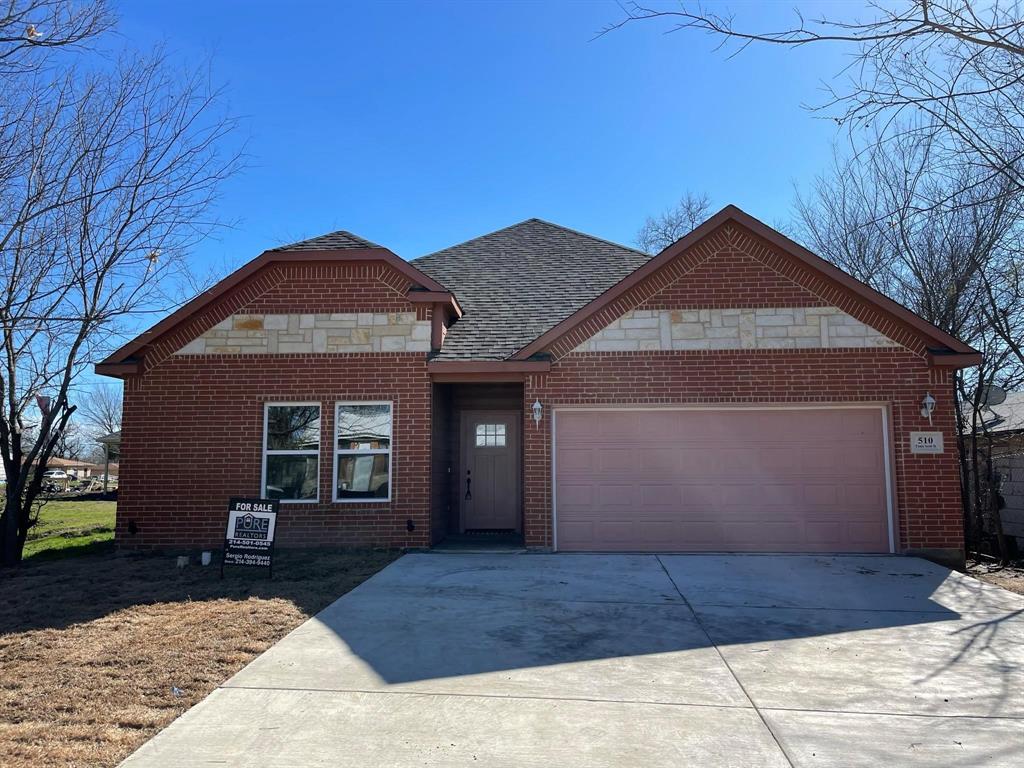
(98, 653)
(1009, 577)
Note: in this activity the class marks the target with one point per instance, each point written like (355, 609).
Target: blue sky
(419, 125)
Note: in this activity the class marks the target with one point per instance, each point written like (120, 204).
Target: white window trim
(356, 451)
(263, 473)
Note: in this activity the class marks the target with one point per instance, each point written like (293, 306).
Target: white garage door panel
(809, 480)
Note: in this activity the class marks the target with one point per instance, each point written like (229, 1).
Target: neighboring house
(1005, 442)
(73, 467)
(734, 392)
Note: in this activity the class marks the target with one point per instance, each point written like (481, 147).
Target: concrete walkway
(630, 660)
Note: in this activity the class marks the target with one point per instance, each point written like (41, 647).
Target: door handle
(469, 493)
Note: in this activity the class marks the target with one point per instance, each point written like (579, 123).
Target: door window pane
(490, 435)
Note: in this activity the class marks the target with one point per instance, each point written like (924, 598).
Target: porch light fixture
(538, 411)
(928, 406)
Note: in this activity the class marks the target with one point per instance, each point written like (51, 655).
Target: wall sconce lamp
(928, 406)
(538, 412)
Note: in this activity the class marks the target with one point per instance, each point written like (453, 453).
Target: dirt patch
(1009, 577)
(100, 653)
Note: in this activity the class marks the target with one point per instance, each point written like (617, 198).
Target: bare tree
(958, 266)
(100, 408)
(948, 70)
(26, 26)
(661, 231)
(107, 175)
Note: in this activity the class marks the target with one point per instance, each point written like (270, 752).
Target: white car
(55, 474)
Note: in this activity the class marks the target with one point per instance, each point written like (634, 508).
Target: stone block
(639, 322)
(690, 344)
(364, 319)
(734, 343)
(421, 331)
(665, 329)
(392, 343)
(849, 330)
(247, 322)
(320, 340)
(616, 345)
(642, 333)
(360, 336)
(774, 319)
(289, 347)
(227, 350)
(417, 346)
(785, 343)
(307, 321)
(723, 333)
(275, 322)
(687, 331)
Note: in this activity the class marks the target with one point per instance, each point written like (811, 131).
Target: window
(291, 451)
(490, 435)
(362, 452)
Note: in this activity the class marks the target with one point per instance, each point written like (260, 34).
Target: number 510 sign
(926, 442)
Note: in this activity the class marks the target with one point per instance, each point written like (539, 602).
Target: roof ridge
(473, 239)
(593, 237)
(562, 227)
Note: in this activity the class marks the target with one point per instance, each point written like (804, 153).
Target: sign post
(249, 539)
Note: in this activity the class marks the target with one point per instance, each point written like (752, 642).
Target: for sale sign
(250, 534)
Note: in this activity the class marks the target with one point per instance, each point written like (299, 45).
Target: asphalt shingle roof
(332, 241)
(519, 282)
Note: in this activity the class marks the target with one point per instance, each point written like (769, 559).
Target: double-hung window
(291, 451)
(362, 452)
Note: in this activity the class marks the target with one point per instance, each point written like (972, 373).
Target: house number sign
(926, 442)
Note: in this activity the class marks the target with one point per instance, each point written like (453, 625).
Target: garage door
(770, 480)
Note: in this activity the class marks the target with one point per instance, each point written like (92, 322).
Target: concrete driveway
(630, 660)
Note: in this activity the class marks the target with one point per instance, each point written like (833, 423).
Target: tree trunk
(12, 540)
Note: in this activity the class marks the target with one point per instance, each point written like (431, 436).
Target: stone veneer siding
(648, 330)
(347, 332)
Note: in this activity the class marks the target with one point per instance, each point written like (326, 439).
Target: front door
(489, 477)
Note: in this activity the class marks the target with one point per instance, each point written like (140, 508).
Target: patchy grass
(71, 527)
(92, 647)
(1009, 577)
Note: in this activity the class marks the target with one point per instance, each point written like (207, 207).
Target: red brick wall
(192, 433)
(732, 279)
(927, 491)
(734, 268)
(192, 437)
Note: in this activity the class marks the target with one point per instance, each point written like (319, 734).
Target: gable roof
(519, 282)
(121, 361)
(944, 348)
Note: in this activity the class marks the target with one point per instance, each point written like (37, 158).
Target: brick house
(732, 393)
